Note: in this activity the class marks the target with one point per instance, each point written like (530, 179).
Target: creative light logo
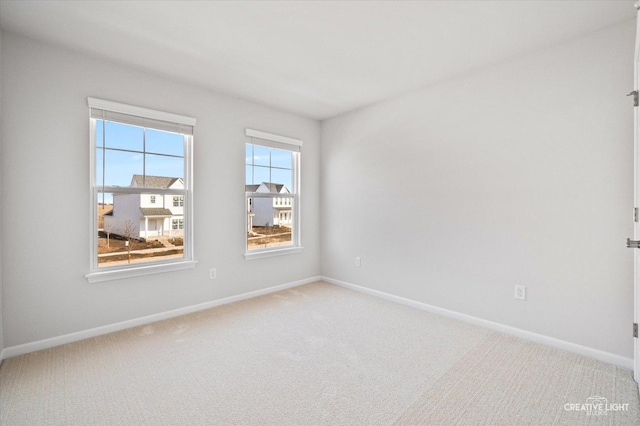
(596, 406)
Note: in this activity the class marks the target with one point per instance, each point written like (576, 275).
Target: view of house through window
(271, 195)
(140, 189)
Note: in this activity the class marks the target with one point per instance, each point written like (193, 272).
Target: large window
(272, 171)
(141, 191)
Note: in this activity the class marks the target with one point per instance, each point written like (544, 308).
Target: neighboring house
(250, 214)
(268, 211)
(152, 215)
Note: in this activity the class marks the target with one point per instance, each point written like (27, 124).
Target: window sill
(116, 274)
(270, 253)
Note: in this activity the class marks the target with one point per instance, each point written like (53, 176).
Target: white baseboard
(25, 348)
(528, 335)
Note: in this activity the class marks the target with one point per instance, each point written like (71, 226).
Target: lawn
(268, 236)
(138, 256)
(117, 244)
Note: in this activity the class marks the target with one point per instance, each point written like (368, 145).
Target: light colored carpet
(315, 354)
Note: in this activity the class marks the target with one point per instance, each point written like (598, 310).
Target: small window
(178, 201)
(272, 167)
(135, 151)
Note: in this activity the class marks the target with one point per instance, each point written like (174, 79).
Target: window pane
(122, 236)
(260, 174)
(268, 224)
(99, 138)
(160, 142)
(121, 166)
(128, 223)
(177, 201)
(105, 206)
(99, 166)
(160, 165)
(269, 219)
(248, 157)
(124, 136)
(283, 177)
(261, 156)
(281, 158)
(105, 199)
(248, 175)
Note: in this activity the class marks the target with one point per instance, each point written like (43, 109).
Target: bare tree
(107, 228)
(129, 232)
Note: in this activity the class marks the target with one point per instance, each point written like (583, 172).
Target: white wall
(516, 174)
(45, 175)
(520, 173)
(1, 168)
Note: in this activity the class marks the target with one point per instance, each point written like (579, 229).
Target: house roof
(163, 182)
(266, 187)
(155, 212)
(273, 187)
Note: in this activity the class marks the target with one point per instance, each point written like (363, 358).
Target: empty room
(322, 212)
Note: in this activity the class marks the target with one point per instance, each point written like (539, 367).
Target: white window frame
(146, 118)
(270, 140)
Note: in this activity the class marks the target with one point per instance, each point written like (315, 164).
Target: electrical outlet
(521, 292)
(212, 274)
(358, 262)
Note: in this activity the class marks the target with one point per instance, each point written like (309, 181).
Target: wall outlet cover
(521, 292)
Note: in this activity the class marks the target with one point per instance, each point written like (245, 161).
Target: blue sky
(129, 150)
(268, 165)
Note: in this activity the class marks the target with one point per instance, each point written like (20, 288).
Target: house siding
(125, 207)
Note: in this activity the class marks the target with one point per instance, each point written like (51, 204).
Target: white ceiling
(317, 59)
